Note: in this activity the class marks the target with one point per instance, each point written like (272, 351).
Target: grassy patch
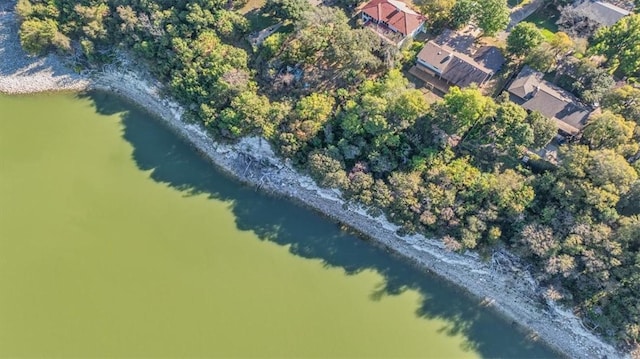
(251, 5)
(258, 20)
(545, 19)
(547, 34)
(253, 12)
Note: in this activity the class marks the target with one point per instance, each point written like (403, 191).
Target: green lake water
(116, 239)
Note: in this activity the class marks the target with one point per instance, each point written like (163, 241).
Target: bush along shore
(502, 283)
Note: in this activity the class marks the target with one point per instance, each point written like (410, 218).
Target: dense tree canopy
(522, 38)
(610, 131)
(620, 43)
(439, 10)
(624, 101)
(287, 9)
(542, 58)
(462, 12)
(490, 15)
(544, 129)
(585, 79)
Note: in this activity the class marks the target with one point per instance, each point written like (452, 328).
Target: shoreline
(511, 292)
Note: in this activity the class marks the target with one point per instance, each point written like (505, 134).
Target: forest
(333, 99)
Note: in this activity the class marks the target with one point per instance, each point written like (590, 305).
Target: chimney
(535, 91)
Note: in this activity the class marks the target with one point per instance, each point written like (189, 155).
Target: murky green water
(117, 240)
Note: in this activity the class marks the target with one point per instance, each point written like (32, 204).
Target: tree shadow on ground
(311, 236)
(14, 60)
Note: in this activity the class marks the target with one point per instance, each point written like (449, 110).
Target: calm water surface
(116, 239)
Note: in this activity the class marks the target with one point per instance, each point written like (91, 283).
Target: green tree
(406, 189)
(541, 58)
(492, 16)
(624, 101)
(560, 43)
(462, 13)
(587, 80)
(27, 9)
(382, 195)
(608, 131)
(620, 43)
(407, 107)
(439, 10)
(37, 36)
(462, 108)
(310, 114)
(515, 132)
(506, 133)
(316, 107)
(630, 202)
(273, 44)
(608, 168)
(92, 19)
(328, 171)
(512, 192)
(360, 185)
(522, 38)
(128, 17)
(230, 24)
(253, 111)
(287, 9)
(324, 39)
(544, 128)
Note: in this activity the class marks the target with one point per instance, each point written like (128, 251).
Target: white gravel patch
(20, 73)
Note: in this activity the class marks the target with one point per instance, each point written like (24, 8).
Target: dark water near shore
(116, 239)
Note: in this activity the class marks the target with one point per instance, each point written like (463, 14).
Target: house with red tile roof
(393, 20)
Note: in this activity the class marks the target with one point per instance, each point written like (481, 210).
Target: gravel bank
(20, 73)
(508, 289)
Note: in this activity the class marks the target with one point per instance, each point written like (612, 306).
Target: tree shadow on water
(309, 235)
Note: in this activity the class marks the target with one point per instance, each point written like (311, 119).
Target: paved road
(517, 15)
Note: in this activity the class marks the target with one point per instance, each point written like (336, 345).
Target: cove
(117, 239)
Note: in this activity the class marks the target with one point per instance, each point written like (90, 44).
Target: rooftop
(535, 94)
(601, 12)
(394, 13)
(459, 68)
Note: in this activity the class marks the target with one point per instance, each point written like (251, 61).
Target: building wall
(429, 66)
(418, 30)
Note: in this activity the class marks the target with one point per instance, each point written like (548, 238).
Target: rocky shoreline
(501, 284)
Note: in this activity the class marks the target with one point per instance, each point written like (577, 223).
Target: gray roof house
(533, 93)
(458, 68)
(603, 13)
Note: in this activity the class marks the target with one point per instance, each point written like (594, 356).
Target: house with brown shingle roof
(392, 20)
(456, 68)
(584, 17)
(601, 12)
(530, 91)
